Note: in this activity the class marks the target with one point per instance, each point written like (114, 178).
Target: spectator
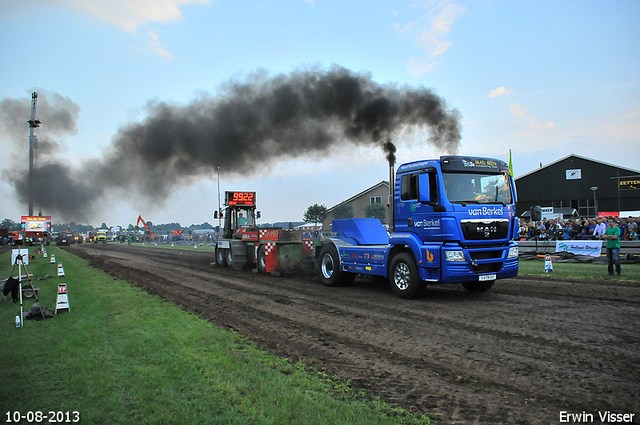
(576, 229)
(531, 231)
(612, 235)
(542, 229)
(523, 231)
(632, 229)
(592, 228)
(600, 228)
(584, 229)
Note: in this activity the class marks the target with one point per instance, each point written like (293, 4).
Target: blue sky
(543, 78)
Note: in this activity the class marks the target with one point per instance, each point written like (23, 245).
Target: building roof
(374, 187)
(579, 157)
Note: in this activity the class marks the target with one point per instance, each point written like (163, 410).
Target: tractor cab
(240, 214)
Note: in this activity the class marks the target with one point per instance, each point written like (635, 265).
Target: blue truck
(452, 220)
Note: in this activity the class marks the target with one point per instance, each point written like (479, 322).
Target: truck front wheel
(478, 286)
(403, 276)
(330, 273)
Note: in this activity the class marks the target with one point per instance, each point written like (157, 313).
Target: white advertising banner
(592, 248)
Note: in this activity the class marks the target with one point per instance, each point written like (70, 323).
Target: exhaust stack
(390, 150)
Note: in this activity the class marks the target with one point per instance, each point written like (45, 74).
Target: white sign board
(23, 252)
(592, 248)
(574, 174)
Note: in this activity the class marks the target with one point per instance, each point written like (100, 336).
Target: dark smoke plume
(390, 149)
(245, 127)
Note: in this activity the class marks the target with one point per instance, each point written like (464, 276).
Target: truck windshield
(472, 188)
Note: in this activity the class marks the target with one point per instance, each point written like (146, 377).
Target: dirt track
(521, 353)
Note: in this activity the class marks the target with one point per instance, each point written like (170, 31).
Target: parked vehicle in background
(101, 236)
(64, 238)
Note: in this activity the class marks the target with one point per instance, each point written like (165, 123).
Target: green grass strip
(122, 356)
(630, 272)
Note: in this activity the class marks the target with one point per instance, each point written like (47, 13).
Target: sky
(142, 100)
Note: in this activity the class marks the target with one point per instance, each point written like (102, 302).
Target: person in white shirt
(600, 229)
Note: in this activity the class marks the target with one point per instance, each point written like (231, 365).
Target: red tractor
(244, 244)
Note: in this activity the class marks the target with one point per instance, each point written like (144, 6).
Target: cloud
(535, 127)
(500, 91)
(430, 30)
(154, 46)
(130, 14)
(517, 110)
(127, 15)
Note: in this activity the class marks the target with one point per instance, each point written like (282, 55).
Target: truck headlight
(455, 256)
(513, 252)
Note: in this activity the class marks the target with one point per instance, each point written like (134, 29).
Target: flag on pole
(510, 164)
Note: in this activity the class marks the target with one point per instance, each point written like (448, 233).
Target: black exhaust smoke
(246, 126)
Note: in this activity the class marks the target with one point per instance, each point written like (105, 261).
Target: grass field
(122, 356)
(630, 272)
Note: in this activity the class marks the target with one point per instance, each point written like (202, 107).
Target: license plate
(487, 277)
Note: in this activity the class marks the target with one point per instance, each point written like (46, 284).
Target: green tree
(315, 214)
(7, 223)
(376, 211)
(343, 211)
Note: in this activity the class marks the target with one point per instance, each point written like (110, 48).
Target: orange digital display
(241, 198)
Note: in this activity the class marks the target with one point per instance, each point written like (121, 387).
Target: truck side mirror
(258, 214)
(424, 186)
(536, 213)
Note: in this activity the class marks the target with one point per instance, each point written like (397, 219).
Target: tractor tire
(221, 257)
(229, 256)
(330, 273)
(403, 276)
(478, 286)
(262, 265)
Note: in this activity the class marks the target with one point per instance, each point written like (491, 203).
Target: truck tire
(262, 265)
(478, 286)
(330, 273)
(221, 257)
(403, 276)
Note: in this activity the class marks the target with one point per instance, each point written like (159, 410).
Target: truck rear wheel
(403, 276)
(330, 273)
(478, 286)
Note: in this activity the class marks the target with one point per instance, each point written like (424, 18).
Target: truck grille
(488, 268)
(481, 230)
(485, 255)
